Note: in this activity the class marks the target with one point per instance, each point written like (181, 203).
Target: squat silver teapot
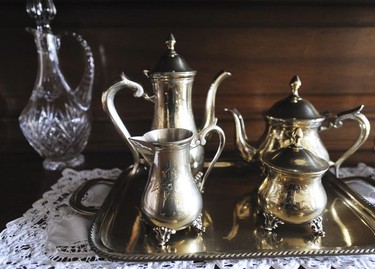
(172, 81)
(295, 112)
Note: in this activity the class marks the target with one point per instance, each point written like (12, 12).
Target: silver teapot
(295, 112)
(172, 80)
(292, 191)
(172, 199)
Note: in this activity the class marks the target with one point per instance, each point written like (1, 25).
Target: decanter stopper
(42, 11)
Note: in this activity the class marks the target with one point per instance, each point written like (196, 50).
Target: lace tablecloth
(52, 235)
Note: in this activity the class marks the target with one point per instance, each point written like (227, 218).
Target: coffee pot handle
(109, 107)
(202, 140)
(364, 125)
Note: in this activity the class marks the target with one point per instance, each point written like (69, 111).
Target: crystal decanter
(56, 120)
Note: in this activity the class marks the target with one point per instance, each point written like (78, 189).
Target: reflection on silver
(118, 234)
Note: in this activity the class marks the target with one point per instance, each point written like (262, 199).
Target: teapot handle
(364, 125)
(109, 107)
(202, 140)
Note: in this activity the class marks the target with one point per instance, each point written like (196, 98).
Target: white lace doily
(52, 235)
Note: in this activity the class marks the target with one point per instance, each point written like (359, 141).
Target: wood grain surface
(263, 44)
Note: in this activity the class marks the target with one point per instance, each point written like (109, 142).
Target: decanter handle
(364, 125)
(109, 107)
(83, 92)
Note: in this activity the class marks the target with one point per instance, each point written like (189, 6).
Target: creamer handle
(202, 139)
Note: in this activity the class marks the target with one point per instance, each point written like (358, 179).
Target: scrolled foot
(198, 224)
(316, 226)
(271, 222)
(163, 234)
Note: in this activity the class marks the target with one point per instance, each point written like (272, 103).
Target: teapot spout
(83, 92)
(247, 152)
(144, 147)
(209, 113)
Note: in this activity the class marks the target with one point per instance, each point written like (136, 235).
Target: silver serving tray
(233, 224)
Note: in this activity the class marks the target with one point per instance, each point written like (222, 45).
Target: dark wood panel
(262, 43)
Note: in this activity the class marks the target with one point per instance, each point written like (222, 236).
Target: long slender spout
(209, 113)
(247, 152)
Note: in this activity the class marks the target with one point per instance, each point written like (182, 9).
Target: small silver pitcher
(172, 198)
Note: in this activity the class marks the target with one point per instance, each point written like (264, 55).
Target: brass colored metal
(295, 112)
(234, 226)
(292, 190)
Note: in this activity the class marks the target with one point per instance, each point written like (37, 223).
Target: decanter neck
(47, 46)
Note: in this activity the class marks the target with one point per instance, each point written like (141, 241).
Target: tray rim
(103, 251)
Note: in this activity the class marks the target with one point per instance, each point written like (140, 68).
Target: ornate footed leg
(270, 221)
(198, 224)
(316, 226)
(163, 234)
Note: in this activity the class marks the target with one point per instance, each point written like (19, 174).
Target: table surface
(24, 180)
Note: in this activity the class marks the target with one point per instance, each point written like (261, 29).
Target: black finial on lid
(171, 61)
(293, 106)
(170, 42)
(295, 83)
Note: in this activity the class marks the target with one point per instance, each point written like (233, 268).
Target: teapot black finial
(170, 42)
(295, 84)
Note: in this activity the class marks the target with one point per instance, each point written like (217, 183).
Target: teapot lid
(171, 61)
(293, 106)
(295, 158)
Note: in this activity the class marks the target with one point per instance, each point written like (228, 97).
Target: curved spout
(84, 90)
(247, 152)
(209, 113)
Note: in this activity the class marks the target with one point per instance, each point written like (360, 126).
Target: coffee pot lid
(295, 158)
(293, 106)
(171, 61)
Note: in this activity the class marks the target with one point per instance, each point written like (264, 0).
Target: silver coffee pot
(172, 199)
(172, 81)
(295, 112)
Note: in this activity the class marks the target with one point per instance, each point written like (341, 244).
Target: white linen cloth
(52, 235)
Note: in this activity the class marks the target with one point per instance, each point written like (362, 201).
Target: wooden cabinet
(262, 43)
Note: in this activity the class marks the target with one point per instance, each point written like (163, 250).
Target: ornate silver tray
(233, 224)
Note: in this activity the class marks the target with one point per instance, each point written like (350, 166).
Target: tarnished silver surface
(293, 112)
(234, 226)
(172, 82)
(172, 198)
